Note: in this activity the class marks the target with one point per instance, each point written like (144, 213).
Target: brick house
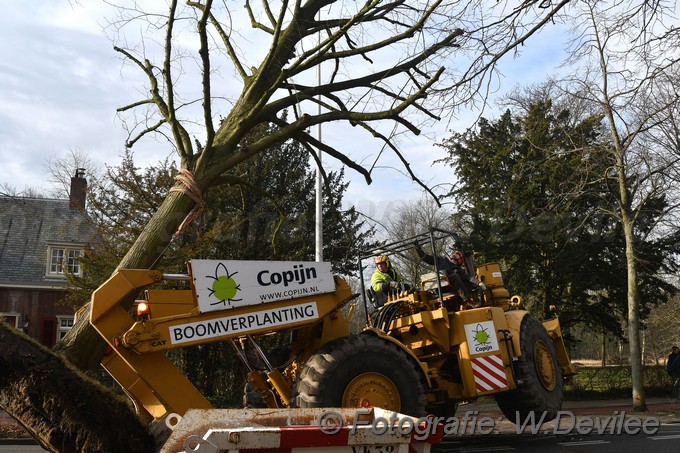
(39, 239)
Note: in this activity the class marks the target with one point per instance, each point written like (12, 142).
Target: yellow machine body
(459, 354)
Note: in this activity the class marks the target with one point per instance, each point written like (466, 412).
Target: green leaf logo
(481, 335)
(224, 288)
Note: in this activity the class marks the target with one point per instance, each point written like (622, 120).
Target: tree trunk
(61, 408)
(637, 377)
(64, 410)
(83, 346)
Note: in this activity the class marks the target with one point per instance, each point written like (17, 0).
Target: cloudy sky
(61, 82)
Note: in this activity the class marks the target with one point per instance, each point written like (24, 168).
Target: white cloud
(61, 83)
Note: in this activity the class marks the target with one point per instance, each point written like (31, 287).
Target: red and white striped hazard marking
(489, 373)
(298, 431)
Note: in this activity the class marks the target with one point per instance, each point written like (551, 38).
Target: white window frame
(14, 315)
(64, 324)
(68, 257)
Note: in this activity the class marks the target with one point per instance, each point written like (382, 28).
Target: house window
(63, 259)
(11, 318)
(64, 324)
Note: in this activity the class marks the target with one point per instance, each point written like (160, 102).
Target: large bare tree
(628, 57)
(414, 218)
(388, 67)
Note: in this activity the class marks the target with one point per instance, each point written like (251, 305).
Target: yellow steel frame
(137, 361)
(151, 380)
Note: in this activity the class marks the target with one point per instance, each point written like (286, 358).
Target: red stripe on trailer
(311, 436)
(265, 450)
(292, 438)
(434, 433)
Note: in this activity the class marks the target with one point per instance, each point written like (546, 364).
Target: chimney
(78, 190)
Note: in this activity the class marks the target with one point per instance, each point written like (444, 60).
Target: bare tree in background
(389, 68)
(8, 190)
(662, 328)
(410, 219)
(62, 168)
(626, 57)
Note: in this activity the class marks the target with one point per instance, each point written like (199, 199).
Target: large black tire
(251, 397)
(359, 371)
(541, 390)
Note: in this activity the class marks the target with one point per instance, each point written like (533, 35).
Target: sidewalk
(608, 411)
(656, 406)
(608, 416)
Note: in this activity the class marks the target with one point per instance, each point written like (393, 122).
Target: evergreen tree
(528, 196)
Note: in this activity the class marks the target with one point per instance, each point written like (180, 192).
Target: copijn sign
(221, 285)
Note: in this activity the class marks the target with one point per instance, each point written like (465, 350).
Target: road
(20, 448)
(665, 440)
(582, 426)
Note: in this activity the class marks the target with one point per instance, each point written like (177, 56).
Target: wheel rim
(545, 367)
(372, 389)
